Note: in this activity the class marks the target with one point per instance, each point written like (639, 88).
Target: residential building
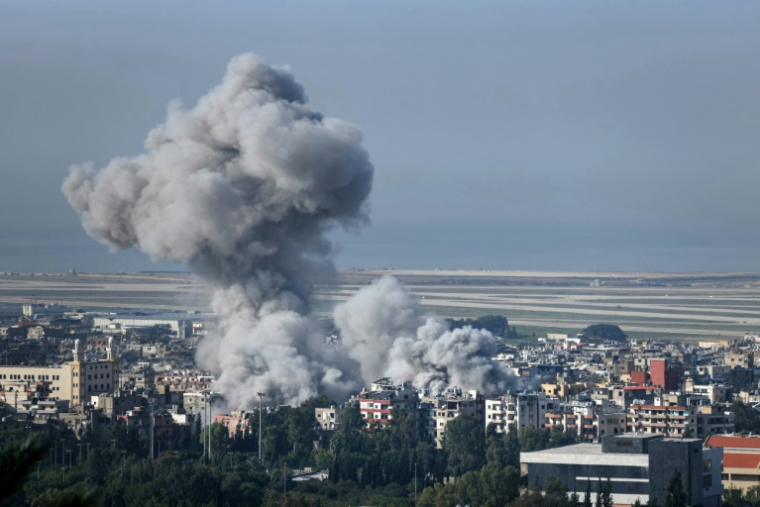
(376, 405)
(328, 418)
(449, 405)
(672, 421)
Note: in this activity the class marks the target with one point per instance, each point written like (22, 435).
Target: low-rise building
(741, 459)
(639, 467)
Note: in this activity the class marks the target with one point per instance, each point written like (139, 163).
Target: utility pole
(210, 429)
(415, 483)
(204, 421)
(152, 424)
(261, 416)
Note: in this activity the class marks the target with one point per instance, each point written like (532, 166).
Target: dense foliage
(746, 419)
(607, 332)
(385, 467)
(734, 497)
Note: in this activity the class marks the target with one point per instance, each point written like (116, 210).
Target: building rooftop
(729, 442)
(584, 454)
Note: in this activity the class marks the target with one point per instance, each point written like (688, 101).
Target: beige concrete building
(448, 406)
(741, 460)
(75, 381)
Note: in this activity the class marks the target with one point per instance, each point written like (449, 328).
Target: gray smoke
(381, 329)
(242, 187)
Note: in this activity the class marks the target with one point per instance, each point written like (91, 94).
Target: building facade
(75, 381)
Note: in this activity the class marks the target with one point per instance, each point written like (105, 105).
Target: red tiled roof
(738, 460)
(733, 442)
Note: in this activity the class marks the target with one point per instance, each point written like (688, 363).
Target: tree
(587, 497)
(732, 497)
(512, 448)
(675, 497)
(556, 493)
(746, 419)
(531, 498)
(607, 332)
(607, 494)
(464, 444)
(752, 495)
(17, 461)
(599, 490)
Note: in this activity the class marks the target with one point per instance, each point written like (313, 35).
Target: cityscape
(390, 254)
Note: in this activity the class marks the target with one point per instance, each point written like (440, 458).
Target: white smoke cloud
(242, 187)
(381, 329)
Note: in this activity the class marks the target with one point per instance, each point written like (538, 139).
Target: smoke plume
(381, 329)
(242, 187)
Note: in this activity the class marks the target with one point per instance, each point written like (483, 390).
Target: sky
(552, 135)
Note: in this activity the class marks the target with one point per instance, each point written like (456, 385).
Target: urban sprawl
(630, 412)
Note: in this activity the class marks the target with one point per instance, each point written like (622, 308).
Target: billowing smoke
(381, 329)
(242, 187)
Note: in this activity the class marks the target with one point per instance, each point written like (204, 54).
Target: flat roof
(584, 454)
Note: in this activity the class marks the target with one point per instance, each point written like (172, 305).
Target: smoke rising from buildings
(242, 188)
(381, 329)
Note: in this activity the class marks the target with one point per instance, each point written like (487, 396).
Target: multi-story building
(75, 381)
(611, 423)
(328, 418)
(672, 421)
(714, 392)
(518, 410)
(448, 406)
(662, 374)
(743, 360)
(236, 422)
(713, 370)
(714, 420)
(624, 396)
(376, 405)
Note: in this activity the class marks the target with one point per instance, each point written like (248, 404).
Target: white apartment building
(520, 410)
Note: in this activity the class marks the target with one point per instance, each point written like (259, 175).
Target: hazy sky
(515, 135)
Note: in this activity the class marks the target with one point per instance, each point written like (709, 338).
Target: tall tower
(77, 374)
